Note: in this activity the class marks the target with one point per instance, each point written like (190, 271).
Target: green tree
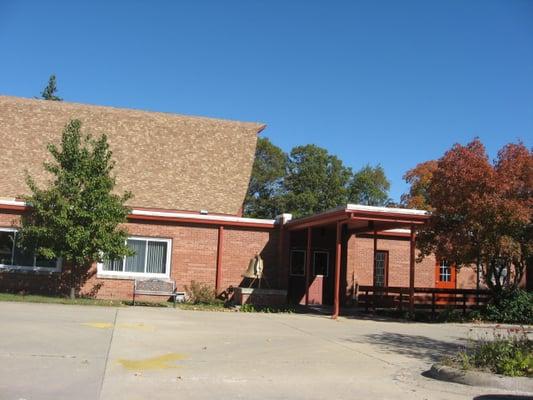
(76, 218)
(370, 186)
(264, 197)
(315, 181)
(49, 92)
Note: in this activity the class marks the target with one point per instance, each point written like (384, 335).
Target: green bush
(200, 293)
(250, 308)
(514, 307)
(450, 315)
(247, 308)
(508, 353)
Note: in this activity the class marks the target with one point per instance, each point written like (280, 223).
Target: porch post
(336, 291)
(412, 243)
(220, 243)
(374, 260)
(307, 266)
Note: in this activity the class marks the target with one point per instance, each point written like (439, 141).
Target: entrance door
(445, 279)
(445, 275)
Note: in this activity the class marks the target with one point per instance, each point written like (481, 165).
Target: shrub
(515, 307)
(247, 308)
(509, 353)
(450, 315)
(200, 293)
(250, 308)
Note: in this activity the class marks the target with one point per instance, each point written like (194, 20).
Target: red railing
(425, 298)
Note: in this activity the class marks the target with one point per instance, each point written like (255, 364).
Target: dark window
(381, 261)
(13, 256)
(298, 262)
(321, 263)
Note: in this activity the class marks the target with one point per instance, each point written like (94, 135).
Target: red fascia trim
(22, 209)
(316, 220)
(383, 234)
(199, 222)
(377, 216)
(10, 207)
(393, 219)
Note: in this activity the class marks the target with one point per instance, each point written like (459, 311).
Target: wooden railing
(425, 298)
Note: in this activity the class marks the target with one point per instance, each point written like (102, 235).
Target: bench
(157, 287)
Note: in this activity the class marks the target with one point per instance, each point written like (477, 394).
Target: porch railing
(425, 298)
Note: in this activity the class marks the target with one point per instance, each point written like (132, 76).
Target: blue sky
(385, 82)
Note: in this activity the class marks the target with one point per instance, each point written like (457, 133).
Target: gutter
(168, 216)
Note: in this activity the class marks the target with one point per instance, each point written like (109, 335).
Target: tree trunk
(72, 282)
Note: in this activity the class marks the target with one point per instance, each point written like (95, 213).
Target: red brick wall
(361, 256)
(360, 262)
(240, 245)
(193, 257)
(466, 278)
(9, 219)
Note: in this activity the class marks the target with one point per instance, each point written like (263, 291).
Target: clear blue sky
(390, 82)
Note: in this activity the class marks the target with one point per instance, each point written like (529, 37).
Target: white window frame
(100, 272)
(28, 268)
(327, 262)
(448, 273)
(305, 261)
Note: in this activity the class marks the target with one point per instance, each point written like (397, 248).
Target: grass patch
(31, 298)
(213, 305)
(508, 352)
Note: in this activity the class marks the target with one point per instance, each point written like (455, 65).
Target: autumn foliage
(419, 178)
(482, 211)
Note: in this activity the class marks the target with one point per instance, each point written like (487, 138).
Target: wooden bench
(156, 287)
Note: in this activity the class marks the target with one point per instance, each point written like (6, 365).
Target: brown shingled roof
(166, 160)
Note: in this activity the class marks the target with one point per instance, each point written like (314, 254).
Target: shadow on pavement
(502, 397)
(415, 346)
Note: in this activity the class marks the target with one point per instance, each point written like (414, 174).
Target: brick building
(189, 176)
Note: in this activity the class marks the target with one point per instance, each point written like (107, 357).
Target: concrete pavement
(82, 352)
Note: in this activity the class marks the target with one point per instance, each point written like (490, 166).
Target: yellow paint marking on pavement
(139, 326)
(99, 325)
(108, 325)
(154, 363)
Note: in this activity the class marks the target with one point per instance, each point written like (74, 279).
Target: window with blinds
(151, 257)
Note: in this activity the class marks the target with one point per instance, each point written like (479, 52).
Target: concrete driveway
(81, 352)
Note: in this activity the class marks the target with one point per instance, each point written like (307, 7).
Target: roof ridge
(66, 104)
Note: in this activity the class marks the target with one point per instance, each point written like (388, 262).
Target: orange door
(445, 275)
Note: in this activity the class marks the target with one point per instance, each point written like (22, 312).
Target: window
(12, 257)
(445, 271)
(151, 258)
(381, 261)
(298, 262)
(321, 263)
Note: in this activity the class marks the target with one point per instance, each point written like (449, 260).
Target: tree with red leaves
(482, 212)
(419, 178)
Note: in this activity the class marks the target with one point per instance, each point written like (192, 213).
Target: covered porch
(318, 249)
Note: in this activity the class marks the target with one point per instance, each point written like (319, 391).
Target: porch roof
(361, 218)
